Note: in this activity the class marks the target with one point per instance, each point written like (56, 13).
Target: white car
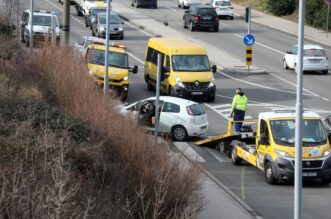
(187, 3)
(314, 59)
(179, 117)
(223, 8)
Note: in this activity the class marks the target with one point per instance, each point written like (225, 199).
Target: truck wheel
(325, 181)
(211, 98)
(269, 174)
(149, 85)
(179, 133)
(285, 64)
(325, 72)
(234, 158)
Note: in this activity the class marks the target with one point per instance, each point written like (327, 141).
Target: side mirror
(214, 68)
(93, 20)
(134, 70)
(264, 140)
(164, 75)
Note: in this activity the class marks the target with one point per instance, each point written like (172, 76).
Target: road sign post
(66, 22)
(157, 102)
(249, 41)
(298, 118)
(105, 78)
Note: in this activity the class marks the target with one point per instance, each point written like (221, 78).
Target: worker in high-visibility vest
(238, 108)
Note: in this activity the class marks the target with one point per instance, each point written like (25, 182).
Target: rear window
(314, 52)
(223, 3)
(206, 11)
(197, 109)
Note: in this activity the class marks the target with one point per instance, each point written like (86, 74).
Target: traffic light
(247, 14)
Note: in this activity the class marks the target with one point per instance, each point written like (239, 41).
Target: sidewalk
(290, 27)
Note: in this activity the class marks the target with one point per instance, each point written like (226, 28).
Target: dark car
(201, 17)
(144, 3)
(115, 26)
(92, 15)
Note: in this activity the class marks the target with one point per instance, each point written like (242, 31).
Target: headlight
(282, 154)
(102, 29)
(120, 28)
(212, 83)
(179, 83)
(125, 78)
(91, 73)
(327, 152)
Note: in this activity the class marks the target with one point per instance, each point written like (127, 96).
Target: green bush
(280, 7)
(316, 13)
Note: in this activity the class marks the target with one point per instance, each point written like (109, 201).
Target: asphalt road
(266, 92)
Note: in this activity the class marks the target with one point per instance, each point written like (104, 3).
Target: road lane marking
(189, 152)
(172, 9)
(259, 85)
(136, 58)
(217, 155)
(265, 46)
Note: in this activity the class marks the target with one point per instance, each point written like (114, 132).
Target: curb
(254, 214)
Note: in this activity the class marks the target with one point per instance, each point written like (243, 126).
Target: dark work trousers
(238, 115)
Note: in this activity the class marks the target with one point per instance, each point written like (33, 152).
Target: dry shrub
(152, 182)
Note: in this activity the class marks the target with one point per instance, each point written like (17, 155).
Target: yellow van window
(191, 63)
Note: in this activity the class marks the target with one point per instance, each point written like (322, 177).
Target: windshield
(119, 60)
(314, 52)
(41, 20)
(193, 63)
(283, 132)
(113, 19)
(97, 10)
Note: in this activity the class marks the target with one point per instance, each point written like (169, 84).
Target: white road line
(248, 117)
(258, 85)
(224, 110)
(136, 58)
(212, 108)
(143, 31)
(189, 152)
(265, 46)
(217, 155)
(222, 105)
(172, 9)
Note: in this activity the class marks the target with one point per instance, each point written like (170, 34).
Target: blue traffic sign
(249, 40)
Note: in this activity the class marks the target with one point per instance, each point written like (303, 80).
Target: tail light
(189, 111)
(195, 18)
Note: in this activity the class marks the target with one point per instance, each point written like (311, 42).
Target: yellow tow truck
(271, 148)
(118, 70)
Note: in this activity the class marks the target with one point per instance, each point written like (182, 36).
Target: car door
(262, 149)
(169, 116)
(291, 57)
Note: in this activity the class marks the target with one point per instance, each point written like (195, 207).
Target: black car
(144, 3)
(201, 16)
(90, 18)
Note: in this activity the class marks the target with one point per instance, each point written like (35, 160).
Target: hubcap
(269, 172)
(234, 155)
(179, 133)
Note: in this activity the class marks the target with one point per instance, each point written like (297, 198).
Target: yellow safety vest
(239, 103)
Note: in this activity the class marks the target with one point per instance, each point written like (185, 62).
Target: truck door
(263, 145)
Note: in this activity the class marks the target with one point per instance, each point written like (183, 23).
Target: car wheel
(86, 24)
(150, 87)
(216, 28)
(269, 174)
(285, 64)
(234, 158)
(325, 181)
(211, 98)
(179, 133)
(122, 37)
(137, 6)
(325, 72)
(179, 4)
(155, 6)
(231, 18)
(191, 26)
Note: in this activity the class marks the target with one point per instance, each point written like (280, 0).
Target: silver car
(115, 26)
(179, 117)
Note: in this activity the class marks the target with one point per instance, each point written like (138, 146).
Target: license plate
(207, 18)
(203, 127)
(196, 93)
(309, 174)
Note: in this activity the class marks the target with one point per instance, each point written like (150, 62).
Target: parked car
(42, 22)
(314, 59)
(327, 123)
(223, 8)
(84, 41)
(179, 117)
(115, 26)
(201, 16)
(144, 3)
(92, 15)
(187, 3)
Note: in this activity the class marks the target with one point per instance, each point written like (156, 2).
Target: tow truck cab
(118, 70)
(274, 148)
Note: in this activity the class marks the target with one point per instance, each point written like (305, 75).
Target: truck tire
(234, 158)
(269, 174)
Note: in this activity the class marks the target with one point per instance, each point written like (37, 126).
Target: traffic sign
(327, 2)
(249, 40)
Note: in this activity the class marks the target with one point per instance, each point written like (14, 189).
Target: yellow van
(186, 71)
(118, 71)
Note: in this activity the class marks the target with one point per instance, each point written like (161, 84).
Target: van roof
(176, 46)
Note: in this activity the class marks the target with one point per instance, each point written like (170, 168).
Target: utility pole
(157, 102)
(31, 25)
(298, 118)
(105, 78)
(66, 22)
